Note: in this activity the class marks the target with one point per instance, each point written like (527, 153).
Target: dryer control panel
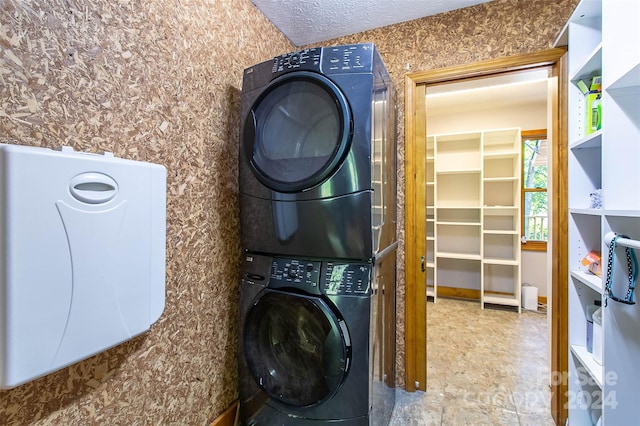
(307, 59)
(349, 58)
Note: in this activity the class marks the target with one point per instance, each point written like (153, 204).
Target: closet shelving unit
(475, 180)
(431, 220)
(458, 188)
(601, 37)
(585, 230)
(501, 151)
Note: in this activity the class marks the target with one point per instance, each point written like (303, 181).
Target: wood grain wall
(490, 30)
(159, 81)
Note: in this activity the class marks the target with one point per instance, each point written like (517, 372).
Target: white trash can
(529, 297)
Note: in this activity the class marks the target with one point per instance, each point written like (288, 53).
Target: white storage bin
(597, 336)
(530, 297)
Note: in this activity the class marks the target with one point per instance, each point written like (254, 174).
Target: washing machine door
(297, 349)
(298, 132)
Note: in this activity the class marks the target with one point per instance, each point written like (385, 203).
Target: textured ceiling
(312, 21)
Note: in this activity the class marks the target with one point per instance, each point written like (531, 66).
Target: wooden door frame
(415, 212)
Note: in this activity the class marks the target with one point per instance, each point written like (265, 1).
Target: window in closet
(535, 219)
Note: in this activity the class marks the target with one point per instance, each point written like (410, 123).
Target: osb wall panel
(154, 81)
(491, 30)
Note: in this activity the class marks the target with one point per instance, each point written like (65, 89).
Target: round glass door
(296, 348)
(298, 132)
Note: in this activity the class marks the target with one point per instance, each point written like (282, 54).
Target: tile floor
(485, 367)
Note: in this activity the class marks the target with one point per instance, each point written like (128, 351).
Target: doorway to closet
(420, 122)
(486, 143)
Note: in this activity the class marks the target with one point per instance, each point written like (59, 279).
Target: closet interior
(474, 158)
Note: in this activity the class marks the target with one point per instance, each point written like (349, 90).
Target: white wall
(526, 116)
(534, 270)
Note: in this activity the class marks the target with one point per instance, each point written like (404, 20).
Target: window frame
(530, 135)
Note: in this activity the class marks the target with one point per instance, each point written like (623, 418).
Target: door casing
(415, 211)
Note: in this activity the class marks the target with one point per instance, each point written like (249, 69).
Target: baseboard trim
(469, 293)
(459, 293)
(229, 417)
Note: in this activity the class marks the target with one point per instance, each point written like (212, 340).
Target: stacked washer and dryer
(317, 170)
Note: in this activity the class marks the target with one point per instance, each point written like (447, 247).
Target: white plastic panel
(82, 256)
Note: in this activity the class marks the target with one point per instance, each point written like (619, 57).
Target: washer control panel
(296, 273)
(346, 278)
(327, 277)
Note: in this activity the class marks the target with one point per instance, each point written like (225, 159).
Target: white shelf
(628, 84)
(501, 179)
(451, 255)
(593, 140)
(584, 9)
(459, 207)
(590, 212)
(587, 278)
(498, 261)
(500, 206)
(592, 65)
(499, 232)
(500, 154)
(446, 205)
(585, 358)
(499, 210)
(621, 19)
(621, 213)
(501, 299)
(458, 171)
(459, 223)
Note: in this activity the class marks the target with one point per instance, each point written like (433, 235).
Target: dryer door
(298, 132)
(297, 349)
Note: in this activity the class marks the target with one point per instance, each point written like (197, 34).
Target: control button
(294, 59)
(293, 271)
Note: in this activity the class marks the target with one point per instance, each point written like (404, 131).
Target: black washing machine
(317, 168)
(305, 343)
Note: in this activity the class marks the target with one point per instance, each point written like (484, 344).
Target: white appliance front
(82, 256)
